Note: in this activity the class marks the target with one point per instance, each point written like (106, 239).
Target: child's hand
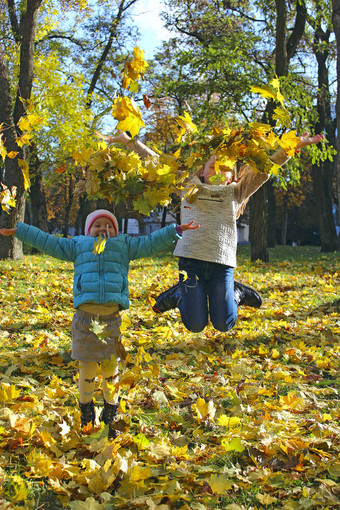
(189, 226)
(308, 140)
(8, 231)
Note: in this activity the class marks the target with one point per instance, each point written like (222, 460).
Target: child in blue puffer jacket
(100, 291)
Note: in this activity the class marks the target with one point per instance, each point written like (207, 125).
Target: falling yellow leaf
(25, 170)
(99, 245)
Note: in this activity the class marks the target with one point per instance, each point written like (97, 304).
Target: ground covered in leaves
(243, 420)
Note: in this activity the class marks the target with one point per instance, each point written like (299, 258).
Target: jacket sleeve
(145, 246)
(251, 181)
(57, 247)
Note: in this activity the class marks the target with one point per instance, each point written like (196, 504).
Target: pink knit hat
(99, 213)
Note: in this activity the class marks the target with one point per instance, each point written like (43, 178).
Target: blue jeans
(206, 288)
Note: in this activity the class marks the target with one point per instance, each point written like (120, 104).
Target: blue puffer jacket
(99, 278)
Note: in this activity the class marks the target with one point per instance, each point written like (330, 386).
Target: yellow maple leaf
(82, 157)
(264, 91)
(288, 142)
(186, 126)
(134, 70)
(204, 410)
(12, 154)
(99, 245)
(25, 170)
(140, 473)
(265, 499)
(220, 484)
(28, 121)
(3, 150)
(17, 490)
(282, 116)
(24, 139)
(8, 392)
(228, 421)
(128, 114)
(233, 445)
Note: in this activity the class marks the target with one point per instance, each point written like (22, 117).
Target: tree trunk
(336, 26)
(284, 51)
(284, 225)
(164, 213)
(69, 194)
(258, 226)
(322, 173)
(10, 247)
(271, 215)
(37, 203)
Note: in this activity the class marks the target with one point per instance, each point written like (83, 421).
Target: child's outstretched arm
(308, 140)
(8, 231)
(137, 146)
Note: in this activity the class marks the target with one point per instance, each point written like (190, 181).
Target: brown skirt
(100, 344)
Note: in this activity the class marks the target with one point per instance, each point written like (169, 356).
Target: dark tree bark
(284, 51)
(258, 226)
(37, 199)
(271, 215)
(323, 172)
(24, 33)
(284, 225)
(164, 213)
(336, 26)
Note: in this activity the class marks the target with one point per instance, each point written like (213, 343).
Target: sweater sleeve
(58, 247)
(142, 150)
(145, 246)
(252, 181)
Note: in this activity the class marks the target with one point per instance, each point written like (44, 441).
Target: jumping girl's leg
(222, 305)
(193, 304)
(87, 380)
(110, 375)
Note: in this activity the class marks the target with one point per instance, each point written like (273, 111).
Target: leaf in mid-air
(99, 245)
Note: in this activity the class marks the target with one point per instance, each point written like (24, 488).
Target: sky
(150, 25)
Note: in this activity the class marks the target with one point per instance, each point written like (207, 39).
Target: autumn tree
(323, 171)
(24, 29)
(336, 26)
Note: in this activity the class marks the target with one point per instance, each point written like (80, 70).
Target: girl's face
(209, 171)
(102, 226)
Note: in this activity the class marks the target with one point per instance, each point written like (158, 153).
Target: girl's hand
(8, 231)
(308, 140)
(189, 226)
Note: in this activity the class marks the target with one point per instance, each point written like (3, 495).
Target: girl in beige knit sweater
(207, 259)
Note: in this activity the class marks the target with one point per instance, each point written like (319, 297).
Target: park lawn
(243, 420)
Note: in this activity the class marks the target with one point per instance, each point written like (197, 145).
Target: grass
(275, 375)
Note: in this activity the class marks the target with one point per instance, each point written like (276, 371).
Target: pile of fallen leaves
(243, 420)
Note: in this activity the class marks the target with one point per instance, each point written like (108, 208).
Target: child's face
(102, 226)
(209, 171)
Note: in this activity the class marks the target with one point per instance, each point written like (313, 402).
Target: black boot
(108, 416)
(168, 299)
(246, 295)
(87, 413)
